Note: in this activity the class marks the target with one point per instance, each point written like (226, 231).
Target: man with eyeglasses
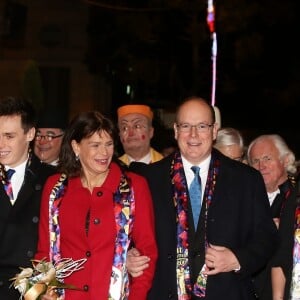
(136, 132)
(270, 155)
(49, 135)
(210, 255)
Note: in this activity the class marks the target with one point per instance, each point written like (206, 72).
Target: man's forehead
(264, 146)
(10, 122)
(133, 118)
(10, 118)
(49, 130)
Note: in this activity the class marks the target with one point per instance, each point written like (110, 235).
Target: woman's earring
(77, 157)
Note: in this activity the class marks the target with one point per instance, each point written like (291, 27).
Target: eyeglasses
(201, 127)
(265, 159)
(47, 137)
(135, 127)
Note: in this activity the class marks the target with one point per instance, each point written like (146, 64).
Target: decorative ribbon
(211, 25)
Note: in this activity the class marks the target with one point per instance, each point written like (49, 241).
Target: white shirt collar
(54, 163)
(189, 174)
(20, 168)
(146, 159)
(272, 196)
(204, 165)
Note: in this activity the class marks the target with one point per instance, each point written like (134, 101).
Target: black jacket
(285, 200)
(238, 218)
(19, 225)
(284, 255)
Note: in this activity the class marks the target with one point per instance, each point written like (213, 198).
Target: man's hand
(276, 221)
(136, 263)
(220, 259)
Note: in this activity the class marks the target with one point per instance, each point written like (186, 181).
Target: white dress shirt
(189, 174)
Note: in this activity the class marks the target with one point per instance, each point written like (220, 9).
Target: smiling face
(95, 153)
(14, 142)
(195, 146)
(48, 151)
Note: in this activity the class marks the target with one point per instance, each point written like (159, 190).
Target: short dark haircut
(11, 106)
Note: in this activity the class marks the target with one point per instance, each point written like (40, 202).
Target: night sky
(165, 55)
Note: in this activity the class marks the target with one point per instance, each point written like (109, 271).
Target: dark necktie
(195, 195)
(8, 185)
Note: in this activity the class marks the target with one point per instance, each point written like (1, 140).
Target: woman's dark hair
(81, 126)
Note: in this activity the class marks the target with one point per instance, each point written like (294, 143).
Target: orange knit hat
(135, 109)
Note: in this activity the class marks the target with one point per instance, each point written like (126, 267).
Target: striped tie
(8, 185)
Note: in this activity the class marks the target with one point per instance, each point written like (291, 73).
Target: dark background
(162, 49)
(158, 52)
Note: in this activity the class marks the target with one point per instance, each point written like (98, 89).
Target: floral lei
(124, 211)
(180, 198)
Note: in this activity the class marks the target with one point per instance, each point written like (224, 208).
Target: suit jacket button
(99, 194)
(85, 287)
(30, 253)
(35, 219)
(88, 253)
(170, 256)
(96, 221)
(38, 187)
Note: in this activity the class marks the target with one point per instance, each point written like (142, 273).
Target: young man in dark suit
(19, 208)
(234, 235)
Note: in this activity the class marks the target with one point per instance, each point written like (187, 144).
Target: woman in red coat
(95, 209)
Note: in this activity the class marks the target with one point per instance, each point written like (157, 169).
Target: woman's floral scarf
(124, 211)
(180, 198)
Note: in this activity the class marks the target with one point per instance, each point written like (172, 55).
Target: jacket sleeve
(44, 235)
(143, 237)
(262, 239)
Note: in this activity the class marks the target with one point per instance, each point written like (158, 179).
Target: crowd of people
(211, 219)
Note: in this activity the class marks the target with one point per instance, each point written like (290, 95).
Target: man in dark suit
(19, 210)
(234, 235)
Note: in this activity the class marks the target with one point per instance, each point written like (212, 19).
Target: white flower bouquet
(45, 276)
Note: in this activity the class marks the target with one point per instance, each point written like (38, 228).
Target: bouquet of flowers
(45, 276)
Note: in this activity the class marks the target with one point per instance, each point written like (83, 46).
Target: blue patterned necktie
(8, 185)
(195, 195)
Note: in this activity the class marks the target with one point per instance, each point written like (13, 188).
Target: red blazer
(97, 246)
